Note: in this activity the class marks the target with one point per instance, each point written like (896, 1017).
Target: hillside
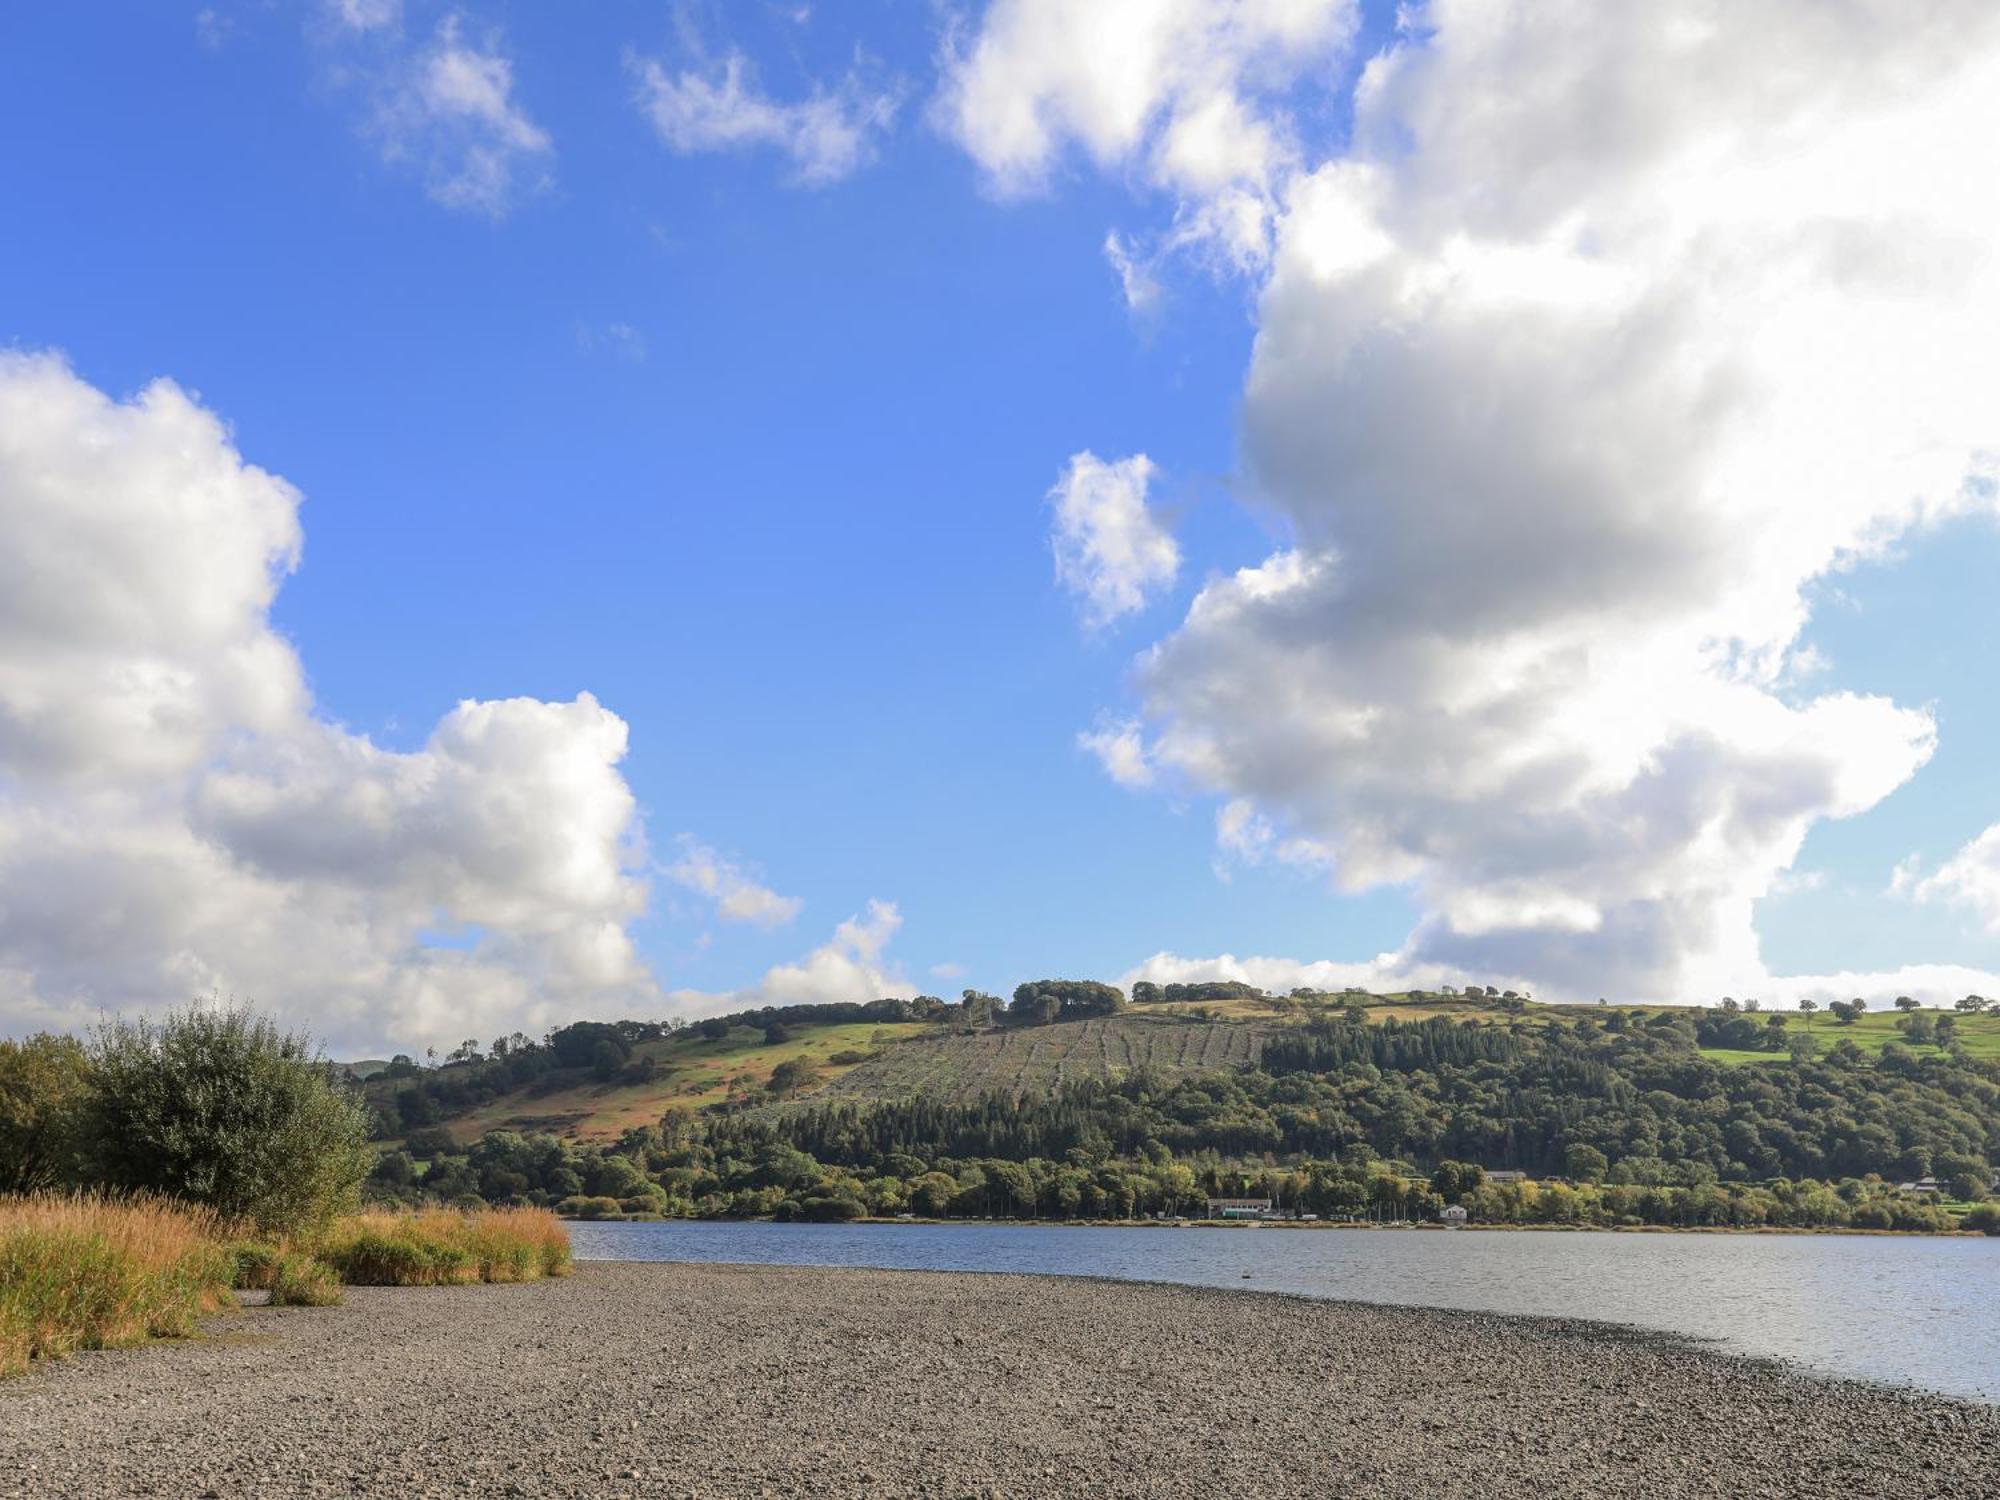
(940, 1058)
(1035, 1060)
(681, 1070)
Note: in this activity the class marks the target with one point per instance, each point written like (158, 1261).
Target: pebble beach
(713, 1381)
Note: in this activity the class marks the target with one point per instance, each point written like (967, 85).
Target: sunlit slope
(1037, 1059)
(691, 1072)
(857, 1062)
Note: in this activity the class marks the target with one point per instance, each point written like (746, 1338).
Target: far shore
(722, 1381)
(1237, 1224)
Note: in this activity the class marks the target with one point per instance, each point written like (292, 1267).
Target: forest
(1610, 1121)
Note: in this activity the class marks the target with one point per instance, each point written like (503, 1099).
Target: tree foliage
(221, 1107)
(45, 1085)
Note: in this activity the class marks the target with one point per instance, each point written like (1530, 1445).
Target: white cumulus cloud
(1110, 549)
(738, 896)
(829, 134)
(1969, 879)
(852, 965)
(1192, 94)
(175, 817)
(1610, 334)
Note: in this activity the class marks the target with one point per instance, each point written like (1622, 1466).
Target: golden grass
(87, 1272)
(446, 1247)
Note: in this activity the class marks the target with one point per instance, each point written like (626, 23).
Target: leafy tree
(45, 1089)
(1967, 1186)
(932, 1193)
(587, 1044)
(1041, 1001)
(1586, 1163)
(220, 1106)
(1919, 1031)
(430, 1142)
(791, 1075)
(1906, 1004)
(977, 1008)
(1454, 1181)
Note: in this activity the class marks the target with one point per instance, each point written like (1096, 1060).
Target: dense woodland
(1618, 1120)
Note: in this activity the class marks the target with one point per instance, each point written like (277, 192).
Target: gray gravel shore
(647, 1380)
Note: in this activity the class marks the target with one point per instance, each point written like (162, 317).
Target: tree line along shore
(1346, 1107)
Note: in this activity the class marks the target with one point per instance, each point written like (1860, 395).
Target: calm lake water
(1920, 1312)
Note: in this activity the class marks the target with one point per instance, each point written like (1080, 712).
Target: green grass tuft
(300, 1281)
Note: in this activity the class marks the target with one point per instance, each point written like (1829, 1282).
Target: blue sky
(764, 466)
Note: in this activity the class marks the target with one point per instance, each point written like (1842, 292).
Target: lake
(1910, 1311)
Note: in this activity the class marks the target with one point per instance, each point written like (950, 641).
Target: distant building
(1239, 1208)
(1928, 1186)
(1453, 1215)
(1507, 1176)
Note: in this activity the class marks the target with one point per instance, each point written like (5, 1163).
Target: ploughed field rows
(1037, 1059)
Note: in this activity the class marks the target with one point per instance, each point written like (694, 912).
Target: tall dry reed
(446, 1247)
(81, 1271)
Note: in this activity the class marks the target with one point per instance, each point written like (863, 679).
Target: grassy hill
(689, 1072)
(891, 1060)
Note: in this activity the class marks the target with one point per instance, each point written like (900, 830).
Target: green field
(1978, 1034)
(1736, 1057)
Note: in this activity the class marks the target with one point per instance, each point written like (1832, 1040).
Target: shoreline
(664, 1378)
(1241, 1224)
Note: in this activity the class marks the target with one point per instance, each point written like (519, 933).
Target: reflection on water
(1922, 1312)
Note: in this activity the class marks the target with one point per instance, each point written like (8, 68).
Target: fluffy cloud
(1969, 879)
(1110, 550)
(850, 966)
(1610, 335)
(449, 109)
(737, 896)
(175, 818)
(1120, 747)
(1243, 835)
(828, 135)
(1192, 93)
